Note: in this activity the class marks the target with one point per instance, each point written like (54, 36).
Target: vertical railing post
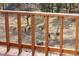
(7, 31)
(19, 33)
(61, 35)
(33, 34)
(76, 41)
(46, 35)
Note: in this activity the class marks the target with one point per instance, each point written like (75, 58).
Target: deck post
(33, 34)
(61, 35)
(46, 35)
(19, 33)
(7, 31)
(76, 41)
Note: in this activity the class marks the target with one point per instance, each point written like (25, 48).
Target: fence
(33, 46)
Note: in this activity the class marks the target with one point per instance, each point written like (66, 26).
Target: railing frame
(34, 47)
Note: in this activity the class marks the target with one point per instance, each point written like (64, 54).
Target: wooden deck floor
(25, 52)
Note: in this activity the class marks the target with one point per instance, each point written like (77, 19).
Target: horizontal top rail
(39, 13)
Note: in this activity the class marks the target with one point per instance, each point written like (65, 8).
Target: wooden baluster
(76, 41)
(46, 35)
(61, 34)
(19, 33)
(33, 34)
(7, 31)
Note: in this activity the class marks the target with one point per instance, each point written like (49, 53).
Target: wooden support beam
(7, 31)
(61, 35)
(46, 35)
(19, 33)
(33, 34)
(76, 41)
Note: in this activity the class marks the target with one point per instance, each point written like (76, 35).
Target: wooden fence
(33, 46)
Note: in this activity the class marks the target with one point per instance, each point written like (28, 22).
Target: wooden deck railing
(33, 46)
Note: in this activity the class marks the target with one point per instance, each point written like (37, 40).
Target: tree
(49, 7)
